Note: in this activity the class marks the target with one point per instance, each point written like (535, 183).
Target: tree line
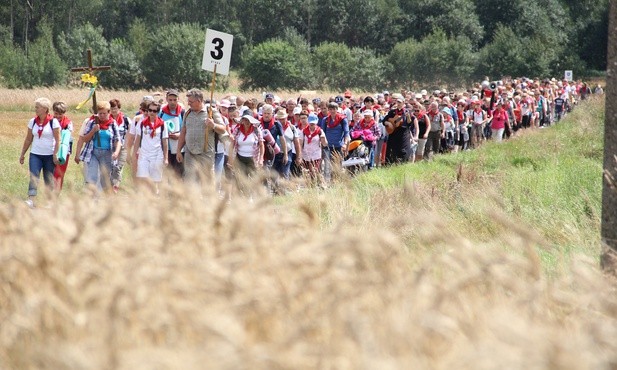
(288, 44)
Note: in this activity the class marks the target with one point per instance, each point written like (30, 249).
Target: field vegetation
(480, 260)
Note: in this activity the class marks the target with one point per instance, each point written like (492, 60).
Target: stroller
(359, 151)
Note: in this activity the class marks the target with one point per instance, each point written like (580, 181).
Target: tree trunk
(12, 22)
(609, 183)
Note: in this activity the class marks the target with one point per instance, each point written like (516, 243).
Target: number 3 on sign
(217, 51)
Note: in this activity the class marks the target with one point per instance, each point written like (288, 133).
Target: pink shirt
(499, 119)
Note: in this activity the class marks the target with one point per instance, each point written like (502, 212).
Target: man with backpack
(197, 136)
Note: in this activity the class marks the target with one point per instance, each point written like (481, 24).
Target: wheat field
(378, 279)
(188, 281)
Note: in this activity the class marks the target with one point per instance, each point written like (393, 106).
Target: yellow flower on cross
(89, 79)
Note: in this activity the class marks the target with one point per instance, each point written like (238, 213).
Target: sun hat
(368, 112)
(281, 113)
(247, 114)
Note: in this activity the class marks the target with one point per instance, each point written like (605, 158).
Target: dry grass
(187, 281)
(23, 99)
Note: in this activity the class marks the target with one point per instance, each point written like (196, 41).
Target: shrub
(174, 57)
(273, 65)
(125, 70)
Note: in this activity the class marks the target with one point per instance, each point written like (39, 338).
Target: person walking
(43, 140)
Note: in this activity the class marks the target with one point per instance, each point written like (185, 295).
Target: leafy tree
(74, 44)
(302, 55)
(125, 72)
(12, 63)
(138, 40)
(41, 66)
(588, 31)
(333, 61)
(271, 65)
(175, 56)
(504, 56)
(454, 17)
(368, 72)
(436, 59)
(401, 61)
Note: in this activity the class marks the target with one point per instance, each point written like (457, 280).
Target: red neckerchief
(64, 122)
(157, 123)
(105, 125)
(399, 112)
(167, 110)
(320, 115)
(120, 119)
(364, 126)
(332, 123)
(246, 133)
(310, 135)
(285, 125)
(431, 114)
(41, 125)
(461, 116)
(270, 125)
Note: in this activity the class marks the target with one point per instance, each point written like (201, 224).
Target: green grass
(546, 183)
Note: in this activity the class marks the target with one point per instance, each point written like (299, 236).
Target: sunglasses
(153, 110)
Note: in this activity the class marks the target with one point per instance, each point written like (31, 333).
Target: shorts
(150, 168)
(420, 148)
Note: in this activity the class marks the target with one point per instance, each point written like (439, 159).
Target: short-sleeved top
(45, 144)
(290, 134)
(311, 150)
(248, 145)
(173, 121)
(151, 145)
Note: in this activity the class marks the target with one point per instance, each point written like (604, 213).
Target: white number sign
(217, 51)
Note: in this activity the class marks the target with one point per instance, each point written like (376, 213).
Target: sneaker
(30, 203)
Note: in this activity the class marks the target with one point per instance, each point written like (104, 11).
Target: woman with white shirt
(43, 140)
(313, 139)
(151, 140)
(247, 148)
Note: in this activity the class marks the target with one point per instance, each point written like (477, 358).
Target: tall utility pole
(609, 182)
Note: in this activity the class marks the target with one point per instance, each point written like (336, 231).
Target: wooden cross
(90, 69)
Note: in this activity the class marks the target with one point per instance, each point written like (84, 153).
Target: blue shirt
(335, 135)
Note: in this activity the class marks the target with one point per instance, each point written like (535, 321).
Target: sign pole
(211, 102)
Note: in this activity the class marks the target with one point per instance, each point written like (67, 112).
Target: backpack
(268, 150)
(142, 137)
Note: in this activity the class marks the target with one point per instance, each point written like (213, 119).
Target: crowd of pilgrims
(229, 141)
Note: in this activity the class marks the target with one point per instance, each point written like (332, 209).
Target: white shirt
(151, 147)
(290, 134)
(43, 145)
(246, 144)
(311, 151)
